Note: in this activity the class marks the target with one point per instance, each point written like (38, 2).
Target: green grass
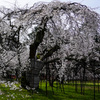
(40, 94)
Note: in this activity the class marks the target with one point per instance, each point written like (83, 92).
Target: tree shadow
(50, 94)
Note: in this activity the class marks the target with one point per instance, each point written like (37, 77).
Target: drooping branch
(50, 52)
(51, 61)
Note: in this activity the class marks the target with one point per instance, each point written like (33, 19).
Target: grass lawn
(13, 91)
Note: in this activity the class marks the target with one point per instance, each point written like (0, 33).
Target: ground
(13, 91)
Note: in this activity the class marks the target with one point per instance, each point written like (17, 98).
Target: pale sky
(21, 3)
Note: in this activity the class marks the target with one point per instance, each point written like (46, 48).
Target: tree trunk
(46, 78)
(81, 83)
(76, 81)
(94, 84)
(76, 85)
(73, 79)
(84, 71)
(98, 83)
(52, 83)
